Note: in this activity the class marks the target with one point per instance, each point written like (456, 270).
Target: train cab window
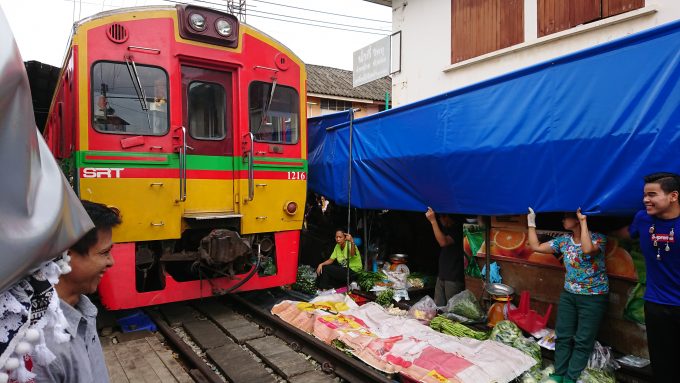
(274, 116)
(207, 103)
(129, 99)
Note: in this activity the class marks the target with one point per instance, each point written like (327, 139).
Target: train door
(207, 119)
(272, 152)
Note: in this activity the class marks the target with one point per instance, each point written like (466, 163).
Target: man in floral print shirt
(584, 299)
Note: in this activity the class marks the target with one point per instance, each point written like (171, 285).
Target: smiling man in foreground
(80, 359)
(657, 226)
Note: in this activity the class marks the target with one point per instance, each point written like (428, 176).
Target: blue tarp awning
(578, 131)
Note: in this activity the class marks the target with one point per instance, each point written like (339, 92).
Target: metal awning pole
(366, 264)
(349, 188)
(349, 169)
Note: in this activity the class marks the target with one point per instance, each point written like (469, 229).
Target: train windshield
(274, 117)
(117, 103)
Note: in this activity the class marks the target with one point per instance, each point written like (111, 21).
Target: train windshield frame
(129, 102)
(274, 118)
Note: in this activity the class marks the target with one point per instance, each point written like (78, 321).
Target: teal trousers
(578, 320)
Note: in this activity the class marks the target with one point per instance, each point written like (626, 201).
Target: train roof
(152, 8)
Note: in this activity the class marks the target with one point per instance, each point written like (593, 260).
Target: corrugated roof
(338, 82)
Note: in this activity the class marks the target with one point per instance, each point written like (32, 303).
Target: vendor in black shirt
(449, 234)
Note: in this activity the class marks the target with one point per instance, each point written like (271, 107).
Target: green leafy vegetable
(505, 332)
(447, 326)
(591, 375)
(367, 279)
(305, 280)
(340, 345)
(385, 297)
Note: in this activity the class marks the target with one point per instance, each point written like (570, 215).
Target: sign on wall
(372, 62)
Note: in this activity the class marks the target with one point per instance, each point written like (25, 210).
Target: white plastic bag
(424, 310)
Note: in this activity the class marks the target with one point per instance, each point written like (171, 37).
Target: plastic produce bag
(529, 347)
(590, 375)
(633, 361)
(398, 277)
(424, 310)
(505, 332)
(601, 366)
(495, 276)
(465, 304)
(537, 375)
(305, 280)
(635, 306)
(475, 238)
(602, 359)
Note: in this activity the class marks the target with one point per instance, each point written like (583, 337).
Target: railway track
(236, 338)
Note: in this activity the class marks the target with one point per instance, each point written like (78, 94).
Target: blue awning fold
(577, 131)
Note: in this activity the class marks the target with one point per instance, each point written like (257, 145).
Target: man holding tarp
(449, 236)
(656, 227)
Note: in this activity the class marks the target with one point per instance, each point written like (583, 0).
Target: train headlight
(197, 22)
(290, 207)
(223, 27)
(208, 26)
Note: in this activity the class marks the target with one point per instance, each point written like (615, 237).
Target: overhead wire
(320, 26)
(319, 21)
(249, 12)
(310, 22)
(223, 6)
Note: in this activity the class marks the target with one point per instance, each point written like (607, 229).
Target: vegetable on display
(305, 280)
(505, 332)
(368, 279)
(447, 326)
(385, 297)
(465, 304)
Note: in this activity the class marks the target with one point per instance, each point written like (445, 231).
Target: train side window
(207, 111)
(120, 107)
(274, 118)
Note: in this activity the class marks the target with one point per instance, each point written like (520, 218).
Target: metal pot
(398, 258)
(499, 289)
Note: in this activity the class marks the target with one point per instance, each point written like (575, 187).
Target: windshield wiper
(134, 76)
(139, 89)
(269, 104)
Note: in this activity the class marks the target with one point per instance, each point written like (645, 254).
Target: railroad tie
(206, 335)
(234, 324)
(315, 376)
(280, 357)
(239, 365)
(177, 314)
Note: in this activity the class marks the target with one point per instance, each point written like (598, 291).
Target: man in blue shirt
(80, 359)
(657, 227)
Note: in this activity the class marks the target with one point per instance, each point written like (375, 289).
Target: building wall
(366, 108)
(425, 27)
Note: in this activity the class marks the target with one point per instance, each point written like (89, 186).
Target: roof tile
(338, 82)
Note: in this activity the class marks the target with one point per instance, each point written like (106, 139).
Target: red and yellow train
(193, 125)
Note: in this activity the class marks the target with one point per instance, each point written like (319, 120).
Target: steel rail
(331, 359)
(183, 349)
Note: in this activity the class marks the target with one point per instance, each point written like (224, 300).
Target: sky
(42, 27)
